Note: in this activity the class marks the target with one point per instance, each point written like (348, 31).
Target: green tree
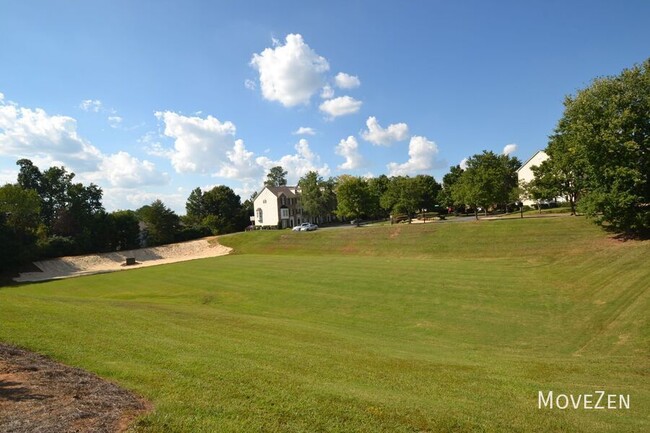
(488, 181)
(608, 126)
(445, 197)
(377, 186)
(195, 207)
(21, 208)
(161, 223)
(223, 210)
(403, 195)
(354, 199)
(126, 230)
(429, 190)
(277, 176)
(316, 195)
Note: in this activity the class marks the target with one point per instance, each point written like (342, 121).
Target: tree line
(47, 214)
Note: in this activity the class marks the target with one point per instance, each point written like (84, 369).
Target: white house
(279, 207)
(525, 174)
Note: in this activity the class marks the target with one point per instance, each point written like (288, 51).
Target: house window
(264, 201)
(284, 200)
(284, 213)
(259, 215)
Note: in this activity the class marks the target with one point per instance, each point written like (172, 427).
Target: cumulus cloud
(341, 106)
(200, 144)
(463, 163)
(291, 73)
(298, 164)
(241, 164)
(375, 134)
(304, 130)
(126, 171)
(349, 149)
(327, 92)
(94, 105)
(33, 133)
(509, 148)
(422, 157)
(53, 140)
(345, 81)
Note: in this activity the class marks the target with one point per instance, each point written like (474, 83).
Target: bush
(191, 233)
(57, 246)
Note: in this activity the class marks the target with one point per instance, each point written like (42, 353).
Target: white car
(305, 227)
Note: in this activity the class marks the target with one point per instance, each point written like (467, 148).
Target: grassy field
(420, 328)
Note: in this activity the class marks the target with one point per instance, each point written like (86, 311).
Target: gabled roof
(288, 191)
(530, 159)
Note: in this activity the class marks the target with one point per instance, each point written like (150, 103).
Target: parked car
(305, 227)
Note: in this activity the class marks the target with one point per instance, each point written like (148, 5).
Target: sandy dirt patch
(38, 395)
(74, 266)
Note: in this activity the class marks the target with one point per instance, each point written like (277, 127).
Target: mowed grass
(420, 328)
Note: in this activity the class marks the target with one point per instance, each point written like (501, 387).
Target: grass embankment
(438, 327)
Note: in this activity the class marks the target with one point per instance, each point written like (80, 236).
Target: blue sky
(150, 99)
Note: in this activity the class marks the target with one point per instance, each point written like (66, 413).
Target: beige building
(280, 207)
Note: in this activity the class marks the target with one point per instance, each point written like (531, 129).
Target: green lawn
(420, 328)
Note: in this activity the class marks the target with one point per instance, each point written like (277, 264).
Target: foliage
(126, 234)
(489, 180)
(450, 179)
(316, 195)
(606, 128)
(21, 208)
(277, 176)
(354, 199)
(404, 195)
(161, 223)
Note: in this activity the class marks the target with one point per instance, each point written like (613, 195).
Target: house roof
(530, 159)
(288, 191)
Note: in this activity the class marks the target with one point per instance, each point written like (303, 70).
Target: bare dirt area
(38, 395)
(74, 266)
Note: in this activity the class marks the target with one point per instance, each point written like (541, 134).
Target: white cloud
(422, 157)
(349, 149)
(298, 164)
(341, 106)
(114, 121)
(8, 175)
(241, 164)
(93, 105)
(303, 130)
(345, 81)
(327, 92)
(122, 198)
(509, 148)
(250, 84)
(375, 134)
(125, 171)
(200, 144)
(291, 73)
(51, 139)
(463, 163)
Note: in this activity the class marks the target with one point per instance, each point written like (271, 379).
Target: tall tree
(404, 195)
(608, 126)
(161, 223)
(223, 210)
(195, 207)
(489, 180)
(277, 176)
(316, 195)
(445, 197)
(354, 199)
